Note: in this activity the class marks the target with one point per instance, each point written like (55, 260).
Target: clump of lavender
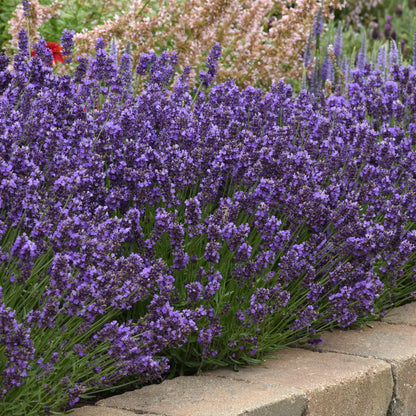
(154, 234)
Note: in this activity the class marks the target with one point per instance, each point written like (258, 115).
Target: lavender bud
(318, 24)
(393, 54)
(307, 56)
(376, 32)
(399, 10)
(382, 58)
(402, 46)
(387, 28)
(338, 42)
(414, 49)
(128, 47)
(26, 7)
(326, 68)
(114, 49)
(393, 34)
(362, 55)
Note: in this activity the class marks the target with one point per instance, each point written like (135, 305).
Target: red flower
(56, 50)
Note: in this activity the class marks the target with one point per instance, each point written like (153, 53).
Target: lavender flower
(414, 48)
(376, 32)
(318, 24)
(26, 7)
(307, 55)
(67, 44)
(23, 42)
(387, 29)
(362, 55)
(382, 58)
(399, 10)
(327, 68)
(338, 42)
(150, 227)
(393, 54)
(211, 63)
(113, 49)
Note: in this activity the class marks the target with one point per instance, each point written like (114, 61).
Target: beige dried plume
(38, 15)
(261, 40)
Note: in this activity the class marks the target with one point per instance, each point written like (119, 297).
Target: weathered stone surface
(405, 315)
(335, 384)
(395, 344)
(350, 373)
(100, 411)
(211, 396)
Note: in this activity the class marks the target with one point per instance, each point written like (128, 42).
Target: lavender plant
(151, 234)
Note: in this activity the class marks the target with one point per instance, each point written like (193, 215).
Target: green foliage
(78, 15)
(7, 8)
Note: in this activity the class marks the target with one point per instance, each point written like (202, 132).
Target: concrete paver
(360, 372)
(211, 396)
(335, 384)
(405, 315)
(395, 344)
(100, 411)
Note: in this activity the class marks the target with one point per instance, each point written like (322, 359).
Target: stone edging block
(360, 372)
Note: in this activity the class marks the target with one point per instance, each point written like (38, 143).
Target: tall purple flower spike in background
(26, 7)
(67, 43)
(212, 62)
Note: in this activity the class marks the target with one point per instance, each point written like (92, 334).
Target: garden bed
(149, 229)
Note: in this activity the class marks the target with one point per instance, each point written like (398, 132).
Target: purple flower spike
(43, 52)
(318, 23)
(382, 58)
(376, 32)
(114, 49)
(362, 55)
(414, 49)
(387, 28)
(23, 42)
(399, 10)
(26, 7)
(326, 68)
(67, 44)
(338, 42)
(307, 56)
(402, 46)
(394, 54)
(208, 77)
